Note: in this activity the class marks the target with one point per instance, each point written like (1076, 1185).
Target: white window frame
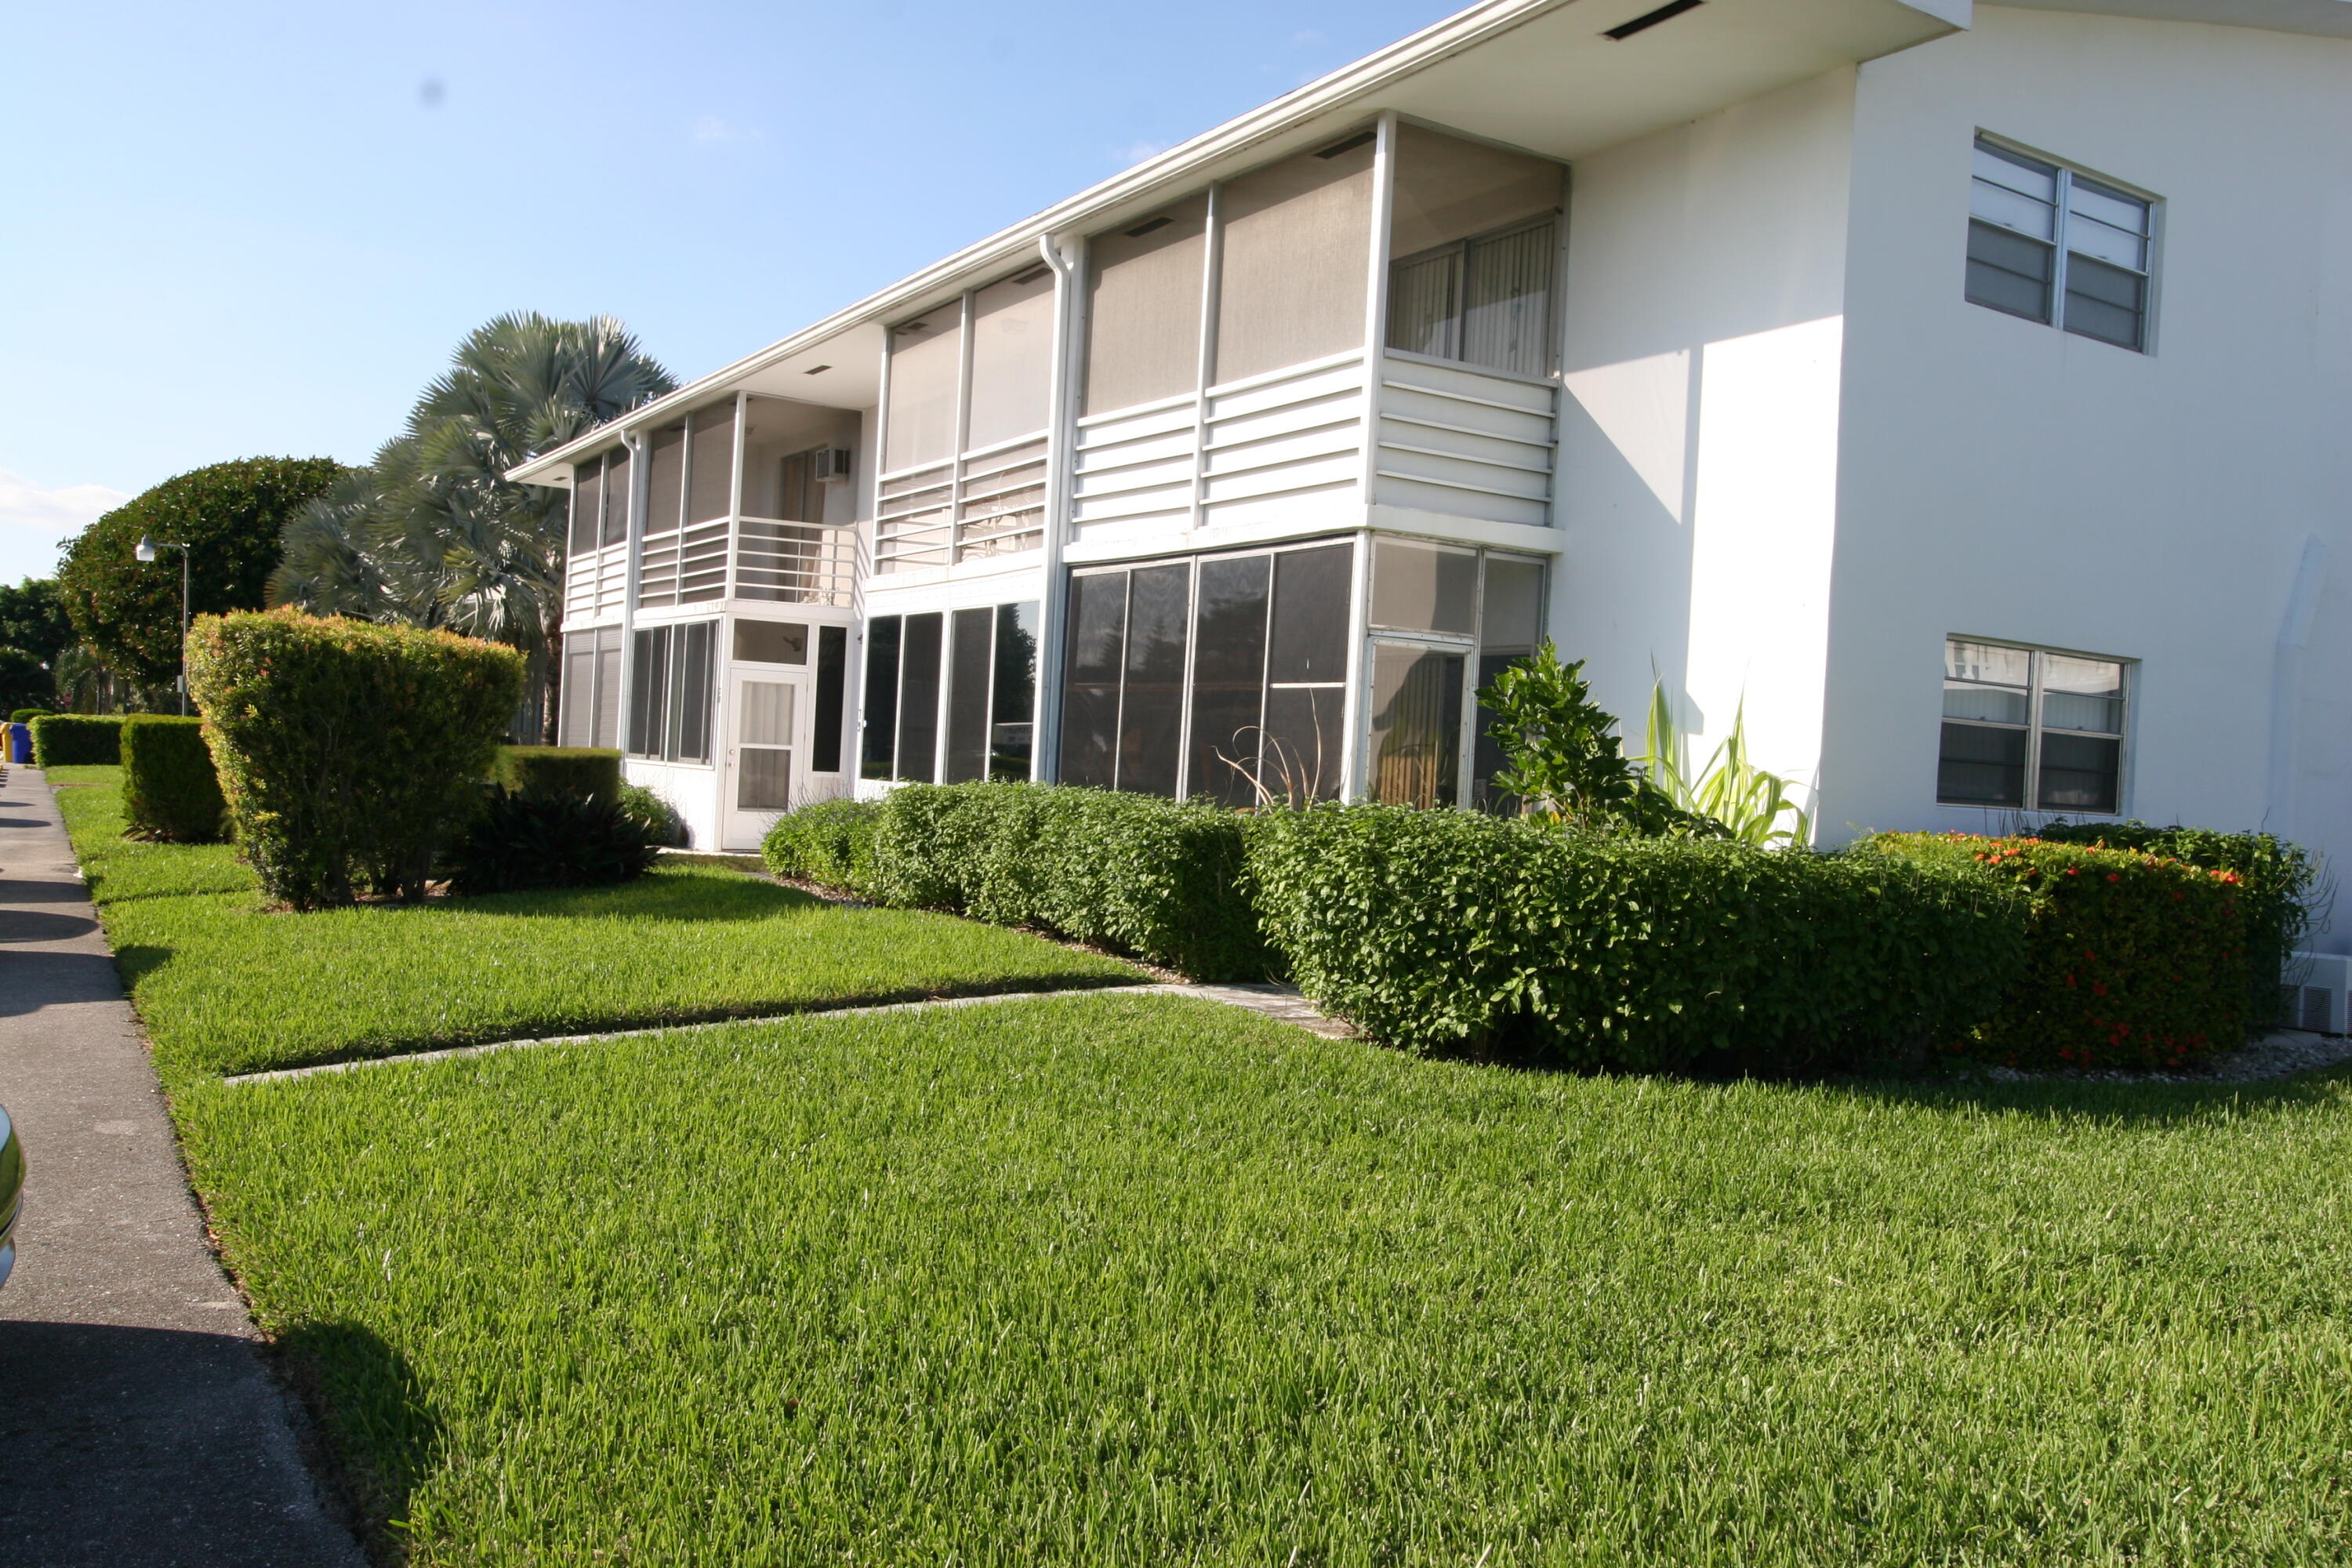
(2066, 174)
(2037, 657)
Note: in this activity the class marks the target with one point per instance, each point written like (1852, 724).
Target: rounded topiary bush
(170, 788)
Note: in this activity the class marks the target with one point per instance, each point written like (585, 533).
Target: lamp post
(146, 551)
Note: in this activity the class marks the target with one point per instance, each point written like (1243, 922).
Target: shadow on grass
(382, 1435)
(135, 962)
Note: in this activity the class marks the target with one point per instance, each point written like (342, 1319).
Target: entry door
(759, 758)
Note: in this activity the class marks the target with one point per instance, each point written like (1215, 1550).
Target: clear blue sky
(244, 229)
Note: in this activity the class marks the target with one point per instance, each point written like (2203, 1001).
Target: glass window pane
(763, 777)
(1159, 619)
(2084, 694)
(1291, 262)
(2085, 238)
(1425, 304)
(2104, 302)
(1090, 679)
(1228, 678)
(1416, 726)
(1143, 307)
(772, 642)
(1448, 189)
(919, 697)
(2089, 677)
(1985, 704)
(607, 729)
(1512, 618)
(971, 672)
(1012, 704)
(1425, 588)
(1979, 766)
(1304, 744)
(666, 480)
(2035, 220)
(832, 681)
(2080, 772)
(1012, 357)
(648, 682)
(2112, 207)
(879, 755)
(2008, 272)
(926, 360)
(711, 460)
(2017, 172)
(1308, 641)
(587, 499)
(1986, 661)
(1506, 302)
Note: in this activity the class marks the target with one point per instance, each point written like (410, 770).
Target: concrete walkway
(138, 1427)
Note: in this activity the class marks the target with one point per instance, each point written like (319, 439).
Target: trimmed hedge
(1134, 873)
(346, 749)
(77, 739)
(660, 819)
(829, 843)
(2274, 879)
(27, 715)
(553, 770)
(170, 790)
(1437, 930)
(549, 839)
(2134, 960)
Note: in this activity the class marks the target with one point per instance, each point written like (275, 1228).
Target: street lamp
(146, 551)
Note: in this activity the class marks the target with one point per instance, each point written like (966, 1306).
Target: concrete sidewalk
(137, 1424)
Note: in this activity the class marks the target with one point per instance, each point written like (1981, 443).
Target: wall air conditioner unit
(2314, 992)
(833, 464)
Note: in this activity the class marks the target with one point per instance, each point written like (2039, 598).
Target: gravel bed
(2281, 1053)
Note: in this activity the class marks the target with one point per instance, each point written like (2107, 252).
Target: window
(2058, 246)
(1143, 308)
(590, 703)
(2028, 728)
(670, 692)
(1444, 621)
(982, 661)
(832, 678)
(1474, 243)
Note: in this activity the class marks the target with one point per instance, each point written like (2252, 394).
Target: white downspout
(1045, 738)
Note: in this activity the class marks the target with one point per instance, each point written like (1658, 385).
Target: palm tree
(433, 533)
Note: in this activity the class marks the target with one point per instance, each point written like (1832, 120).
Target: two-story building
(1960, 394)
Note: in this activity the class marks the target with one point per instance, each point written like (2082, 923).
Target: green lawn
(1140, 1279)
(225, 987)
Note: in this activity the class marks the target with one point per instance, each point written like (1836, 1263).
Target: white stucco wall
(2001, 478)
(1699, 438)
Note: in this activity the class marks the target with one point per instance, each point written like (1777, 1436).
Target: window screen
(926, 359)
(577, 705)
(1475, 240)
(1292, 255)
(832, 679)
(1425, 588)
(587, 499)
(607, 729)
(772, 642)
(971, 652)
(1090, 677)
(919, 697)
(1143, 307)
(1012, 357)
(878, 757)
(2042, 238)
(616, 497)
(710, 462)
(1012, 702)
(1229, 678)
(1416, 725)
(665, 480)
(1511, 625)
(648, 691)
(1152, 703)
(2030, 727)
(669, 691)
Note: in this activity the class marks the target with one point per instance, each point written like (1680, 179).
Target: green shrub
(1437, 930)
(25, 715)
(660, 819)
(345, 747)
(2274, 888)
(2133, 960)
(550, 770)
(829, 843)
(170, 790)
(77, 739)
(553, 839)
(1134, 873)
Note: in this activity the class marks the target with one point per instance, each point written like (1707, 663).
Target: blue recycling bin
(20, 743)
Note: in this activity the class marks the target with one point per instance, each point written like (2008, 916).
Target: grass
(1137, 1279)
(224, 986)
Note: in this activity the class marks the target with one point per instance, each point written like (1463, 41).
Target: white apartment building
(1960, 393)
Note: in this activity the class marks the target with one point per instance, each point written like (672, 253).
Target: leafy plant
(829, 843)
(662, 824)
(1748, 801)
(549, 838)
(1564, 758)
(547, 769)
(77, 739)
(345, 749)
(170, 789)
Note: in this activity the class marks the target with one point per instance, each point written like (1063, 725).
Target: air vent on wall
(1649, 20)
(1032, 274)
(1362, 139)
(1149, 225)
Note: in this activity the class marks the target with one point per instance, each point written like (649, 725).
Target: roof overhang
(1543, 75)
(2321, 18)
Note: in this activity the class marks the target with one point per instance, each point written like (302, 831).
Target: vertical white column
(1213, 250)
(1061, 444)
(1356, 769)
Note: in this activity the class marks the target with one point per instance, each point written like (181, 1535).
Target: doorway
(759, 783)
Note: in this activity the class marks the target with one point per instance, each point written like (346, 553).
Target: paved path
(137, 1427)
